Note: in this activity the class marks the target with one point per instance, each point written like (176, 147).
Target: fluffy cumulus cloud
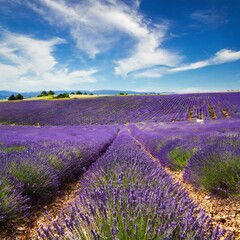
(27, 62)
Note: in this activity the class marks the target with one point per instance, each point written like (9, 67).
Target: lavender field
(122, 110)
(126, 152)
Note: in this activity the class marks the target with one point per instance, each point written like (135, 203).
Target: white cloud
(29, 64)
(225, 55)
(222, 56)
(97, 25)
(94, 25)
(147, 59)
(150, 73)
(35, 55)
(209, 17)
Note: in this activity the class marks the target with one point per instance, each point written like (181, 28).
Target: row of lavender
(127, 195)
(35, 162)
(109, 110)
(208, 154)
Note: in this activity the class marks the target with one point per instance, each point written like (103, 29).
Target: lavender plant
(216, 168)
(39, 181)
(14, 204)
(176, 153)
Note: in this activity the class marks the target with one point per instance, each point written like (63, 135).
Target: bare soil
(226, 113)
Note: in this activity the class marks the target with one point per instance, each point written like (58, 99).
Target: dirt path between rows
(224, 212)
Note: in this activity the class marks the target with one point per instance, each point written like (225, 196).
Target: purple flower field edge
(126, 195)
(35, 163)
(121, 110)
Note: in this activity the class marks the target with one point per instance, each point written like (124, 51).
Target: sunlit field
(143, 167)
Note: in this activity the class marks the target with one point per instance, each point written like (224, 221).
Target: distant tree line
(123, 94)
(81, 93)
(62, 95)
(17, 97)
(45, 93)
(52, 93)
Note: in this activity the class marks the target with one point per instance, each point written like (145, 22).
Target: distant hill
(6, 94)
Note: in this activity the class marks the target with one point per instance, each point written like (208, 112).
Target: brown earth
(226, 113)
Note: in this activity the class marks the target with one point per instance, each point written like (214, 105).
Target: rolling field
(143, 167)
(122, 110)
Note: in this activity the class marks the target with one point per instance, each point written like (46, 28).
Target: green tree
(19, 96)
(51, 92)
(11, 98)
(43, 94)
(78, 92)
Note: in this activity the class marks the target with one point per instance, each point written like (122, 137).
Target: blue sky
(147, 45)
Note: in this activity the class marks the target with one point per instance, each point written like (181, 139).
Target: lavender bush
(38, 179)
(126, 195)
(14, 204)
(216, 168)
(176, 153)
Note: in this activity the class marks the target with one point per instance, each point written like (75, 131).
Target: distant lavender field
(121, 110)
